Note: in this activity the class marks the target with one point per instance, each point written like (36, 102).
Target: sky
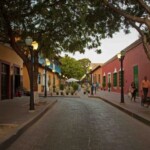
(110, 47)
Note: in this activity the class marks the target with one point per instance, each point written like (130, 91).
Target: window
(115, 79)
(104, 81)
(99, 78)
(39, 78)
(120, 78)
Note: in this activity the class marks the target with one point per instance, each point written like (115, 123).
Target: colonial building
(96, 74)
(135, 66)
(11, 71)
(14, 76)
(52, 77)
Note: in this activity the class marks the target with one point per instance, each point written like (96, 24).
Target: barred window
(115, 79)
(39, 78)
(120, 78)
(104, 81)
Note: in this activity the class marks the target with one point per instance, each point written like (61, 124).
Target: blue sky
(110, 47)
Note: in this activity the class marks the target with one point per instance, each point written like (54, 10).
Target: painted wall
(135, 56)
(41, 80)
(97, 76)
(9, 57)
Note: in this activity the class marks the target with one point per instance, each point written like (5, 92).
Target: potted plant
(75, 86)
(61, 87)
(109, 86)
(72, 90)
(104, 84)
(57, 91)
(67, 91)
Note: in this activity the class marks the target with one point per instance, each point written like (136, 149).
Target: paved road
(84, 124)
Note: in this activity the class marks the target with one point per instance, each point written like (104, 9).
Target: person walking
(95, 87)
(145, 84)
(133, 91)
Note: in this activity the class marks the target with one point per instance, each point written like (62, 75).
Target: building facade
(52, 77)
(135, 66)
(11, 71)
(96, 75)
(14, 76)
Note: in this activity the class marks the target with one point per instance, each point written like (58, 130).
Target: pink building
(135, 66)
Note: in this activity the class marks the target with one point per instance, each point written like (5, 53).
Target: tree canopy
(135, 13)
(71, 67)
(71, 25)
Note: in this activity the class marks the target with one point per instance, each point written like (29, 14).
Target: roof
(128, 48)
(95, 66)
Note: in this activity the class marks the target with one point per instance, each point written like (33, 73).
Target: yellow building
(14, 76)
(52, 79)
(10, 72)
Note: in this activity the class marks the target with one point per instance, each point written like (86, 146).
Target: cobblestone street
(84, 124)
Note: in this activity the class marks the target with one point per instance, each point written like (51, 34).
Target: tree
(135, 13)
(85, 64)
(55, 25)
(71, 67)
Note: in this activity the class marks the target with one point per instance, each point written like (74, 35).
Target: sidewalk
(132, 108)
(15, 117)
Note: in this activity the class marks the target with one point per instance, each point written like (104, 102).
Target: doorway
(4, 81)
(135, 77)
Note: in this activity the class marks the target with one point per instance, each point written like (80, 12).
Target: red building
(135, 66)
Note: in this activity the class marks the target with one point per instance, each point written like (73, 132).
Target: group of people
(94, 88)
(145, 85)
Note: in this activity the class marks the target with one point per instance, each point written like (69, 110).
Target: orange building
(10, 72)
(96, 74)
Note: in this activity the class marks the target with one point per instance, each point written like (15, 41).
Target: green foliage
(109, 84)
(71, 67)
(103, 84)
(69, 25)
(75, 86)
(85, 63)
(61, 87)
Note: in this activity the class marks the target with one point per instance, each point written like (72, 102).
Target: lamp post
(47, 63)
(90, 68)
(32, 46)
(53, 70)
(121, 56)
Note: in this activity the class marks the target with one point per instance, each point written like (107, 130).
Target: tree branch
(141, 2)
(127, 16)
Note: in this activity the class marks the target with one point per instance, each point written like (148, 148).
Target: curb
(63, 96)
(132, 114)
(18, 132)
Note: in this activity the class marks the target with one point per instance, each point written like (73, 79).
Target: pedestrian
(133, 91)
(145, 84)
(94, 85)
(92, 88)
(97, 85)
(79, 87)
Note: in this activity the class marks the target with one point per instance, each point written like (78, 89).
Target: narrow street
(84, 124)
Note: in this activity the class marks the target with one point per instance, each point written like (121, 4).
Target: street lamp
(53, 70)
(90, 69)
(121, 56)
(47, 63)
(33, 45)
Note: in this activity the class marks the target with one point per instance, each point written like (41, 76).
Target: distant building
(96, 74)
(52, 77)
